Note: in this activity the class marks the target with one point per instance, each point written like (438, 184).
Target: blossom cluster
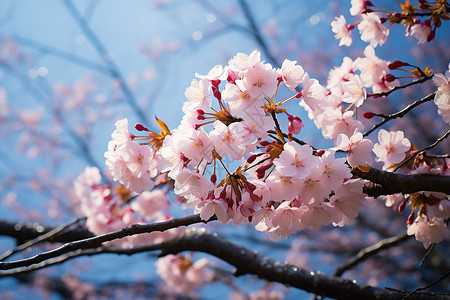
(278, 183)
(372, 25)
(110, 208)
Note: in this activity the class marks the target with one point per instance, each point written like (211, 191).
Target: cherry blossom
(428, 231)
(295, 160)
(442, 97)
(341, 31)
(198, 96)
(338, 75)
(354, 91)
(391, 147)
(421, 31)
(151, 204)
(358, 149)
(227, 139)
(372, 30)
(242, 61)
(260, 80)
(291, 73)
(181, 273)
(358, 6)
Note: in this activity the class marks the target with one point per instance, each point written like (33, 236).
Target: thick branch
(386, 183)
(26, 232)
(251, 262)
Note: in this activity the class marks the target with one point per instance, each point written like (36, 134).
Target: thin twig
(422, 80)
(106, 57)
(257, 34)
(423, 149)
(400, 113)
(443, 276)
(370, 251)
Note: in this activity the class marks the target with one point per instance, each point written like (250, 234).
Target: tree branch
(25, 232)
(370, 251)
(249, 262)
(39, 239)
(386, 183)
(102, 51)
(401, 113)
(98, 240)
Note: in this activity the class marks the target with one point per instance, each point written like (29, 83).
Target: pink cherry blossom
(259, 81)
(372, 30)
(182, 274)
(198, 96)
(358, 6)
(151, 205)
(192, 184)
(372, 68)
(216, 73)
(295, 124)
(242, 61)
(312, 92)
(354, 91)
(312, 188)
(282, 187)
(239, 100)
(131, 163)
(255, 126)
(335, 122)
(276, 233)
(227, 140)
(194, 144)
(319, 215)
(442, 97)
(295, 160)
(338, 75)
(341, 31)
(262, 219)
(391, 147)
(428, 231)
(421, 31)
(334, 170)
(348, 200)
(286, 217)
(292, 74)
(210, 207)
(358, 149)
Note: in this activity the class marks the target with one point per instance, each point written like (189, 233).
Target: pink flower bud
(295, 124)
(213, 178)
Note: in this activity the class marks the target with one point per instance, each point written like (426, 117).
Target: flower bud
(389, 77)
(369, 115)
(213, 178)
(397, 64)
(402, 206)
(140, 127)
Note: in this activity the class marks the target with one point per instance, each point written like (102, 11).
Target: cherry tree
(372, 184)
